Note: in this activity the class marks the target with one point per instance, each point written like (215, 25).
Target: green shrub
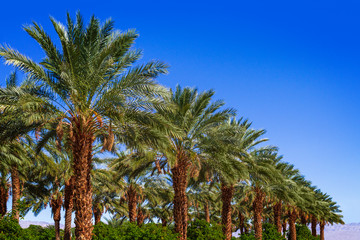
(104, 231)
(157, 232)
(35, 232)
(149, 231)
(9, 229)
(130, 231)
(248, 236)
(270, 232)
(202, 230)
(303, 233)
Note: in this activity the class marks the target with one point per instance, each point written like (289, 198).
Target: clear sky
(292, 67)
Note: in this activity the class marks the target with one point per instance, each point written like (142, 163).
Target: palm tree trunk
(242, 223)
(246, 230)
(56, 203)
(277, 215)
(207, 211)
(97, 214)
(132, 202)
(163, 222)
(258, 208)
(4, 196)
(322, 228)
(179, 177)
(227, 193)
(313, 226)
(284, 228)
(140, 216)
(68, 204)
(292, 227)
(82, 154)
(15, 184)
(303, 218)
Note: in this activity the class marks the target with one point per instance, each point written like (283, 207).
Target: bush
(149, 231)
(202, 230)
(104, 231)
(130, 231)
(248, 236)
(9, 229)
(270, 232)
(35, 232)
(303, 233)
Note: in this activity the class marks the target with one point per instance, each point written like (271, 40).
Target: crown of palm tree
(227, 147)
(13, 113)
(191, 114)
(90, 76)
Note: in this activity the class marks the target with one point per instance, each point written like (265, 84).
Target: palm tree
(59, 158)
(305, 198)
(13, 129)
(224, 166)
(192, 115)
(13, 119)
(4, 189)
(243, 199)
(159, 195)
(68, 205)
(285, 191)
(246, 140)
(47, 182)
(87, 86)
(135, 176)
(104, 192)
(133, 169)
(15, 159)
(262, 176)
(328, 212)
(201, 194)
(228, 145)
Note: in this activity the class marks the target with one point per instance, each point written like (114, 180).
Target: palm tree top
(92, 71)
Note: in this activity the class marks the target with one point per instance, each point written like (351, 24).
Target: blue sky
(292, 67)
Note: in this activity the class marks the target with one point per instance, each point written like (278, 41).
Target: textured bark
(197, 212)
(227, 193)
(4, 196)
(207, 211)
(303, 218)
(277, 215)
(322, 228)
(284, 228)
(55, 204)
(82, 154)
(292, 220)
(313, 226)
(242, 223)
(180, 181)
(246, 230)
(258, 208)
(15, 184)
(163, 222)
(158, 167)
(140, 217)
(69, 205)
(132, 202)
(97, 214)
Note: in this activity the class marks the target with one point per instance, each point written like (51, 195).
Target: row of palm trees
(174, 154)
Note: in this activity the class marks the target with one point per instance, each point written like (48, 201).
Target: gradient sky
(292, 67)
